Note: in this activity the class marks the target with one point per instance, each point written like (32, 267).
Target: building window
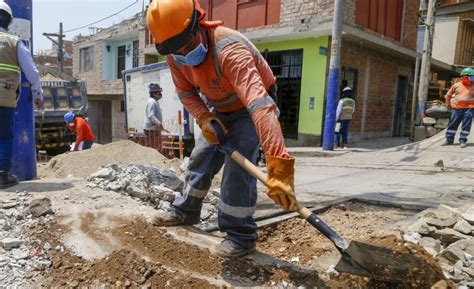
(382, 16)
(86, 58)
(349, 78)
(287, 67)
(135, 54)
(121, 56)
(122, 105)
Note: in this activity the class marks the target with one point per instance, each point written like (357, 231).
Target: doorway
(100, 119)
(400, 108)
(287, 68)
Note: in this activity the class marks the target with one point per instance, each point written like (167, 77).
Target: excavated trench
(292, 253)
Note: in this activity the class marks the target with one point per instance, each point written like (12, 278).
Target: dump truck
(60, 97)
(176, 120)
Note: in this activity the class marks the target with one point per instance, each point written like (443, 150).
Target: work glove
(280, 180)
(204, 122)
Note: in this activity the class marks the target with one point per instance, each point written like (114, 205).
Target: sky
(47, 14)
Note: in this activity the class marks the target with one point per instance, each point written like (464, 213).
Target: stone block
(431, 131)
(420, 133)
(464, 227)
(469, 216)
(448, 235)
(459, 250)
(432, 246)
(441, 123)
(442, 223)
(447, 212)
(11, 243)
(40, 207)
(104, 173)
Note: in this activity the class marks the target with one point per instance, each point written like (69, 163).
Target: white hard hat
(4, 6)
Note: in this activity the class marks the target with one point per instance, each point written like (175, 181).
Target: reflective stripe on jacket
(347, 108)
(460, 96)
(9, 70)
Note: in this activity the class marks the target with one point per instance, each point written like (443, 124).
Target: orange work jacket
(233, 76)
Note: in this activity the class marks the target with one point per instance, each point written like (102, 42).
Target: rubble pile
(21, 258)
(150, 185)
(448, 235)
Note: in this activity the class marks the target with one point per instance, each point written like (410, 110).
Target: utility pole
(426, 61)
(59, 43)
(333, 78)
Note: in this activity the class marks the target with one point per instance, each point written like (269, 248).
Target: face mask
(471, 78)
(70, 124)
(194, 57)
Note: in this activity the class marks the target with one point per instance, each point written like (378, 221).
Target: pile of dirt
(149, 257)
(297, 241)
(83, 163)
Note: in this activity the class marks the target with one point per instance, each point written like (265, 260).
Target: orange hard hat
(173, 23)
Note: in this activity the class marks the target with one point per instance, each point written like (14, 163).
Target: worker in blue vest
(14, 58)
(344, 113)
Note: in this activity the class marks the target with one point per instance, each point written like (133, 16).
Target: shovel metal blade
(372, 261)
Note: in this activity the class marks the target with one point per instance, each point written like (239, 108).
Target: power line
(110, 16)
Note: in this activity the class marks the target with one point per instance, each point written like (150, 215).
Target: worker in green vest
(344, 113)
(14, 58)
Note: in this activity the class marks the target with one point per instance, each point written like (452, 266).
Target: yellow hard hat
(173, 23)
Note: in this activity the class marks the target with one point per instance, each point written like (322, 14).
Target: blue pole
(24, 147)
(333, 78)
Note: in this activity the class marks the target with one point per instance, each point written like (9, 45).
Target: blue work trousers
(7, 125)
(238, 195)
(458, 116)
(343, 132)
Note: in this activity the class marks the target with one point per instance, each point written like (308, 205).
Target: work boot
(447, 143)
(463, 145)
(171, 219)
(7, 180)
(231, 249)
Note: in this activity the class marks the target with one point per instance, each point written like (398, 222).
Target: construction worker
(152, 126)
(14, 58)
(82, 129)
(344, 112)
(234, 77)
(460, 100)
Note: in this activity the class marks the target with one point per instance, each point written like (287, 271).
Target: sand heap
(83, 163)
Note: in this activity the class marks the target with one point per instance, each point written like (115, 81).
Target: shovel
(356, 257)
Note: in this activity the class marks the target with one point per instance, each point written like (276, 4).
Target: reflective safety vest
(9, 70)
(460, 96)
(207, 78)
(347, 108)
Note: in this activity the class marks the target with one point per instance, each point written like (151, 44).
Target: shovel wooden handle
(309, 216)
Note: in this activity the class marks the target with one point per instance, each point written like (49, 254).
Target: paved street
(405, 174)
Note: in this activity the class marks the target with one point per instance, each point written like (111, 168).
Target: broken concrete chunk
(11, 243)
(9, 205)
(448, 235)
(442, 223)
(40, 207)
(432, 246)
(463, 226)
(420, 227)
(104, 173)
(447, 212)
(469, 216)
(458, 250)
(413, 237)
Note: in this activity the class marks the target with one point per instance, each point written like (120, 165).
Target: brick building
(99, 59)
(378, 56)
